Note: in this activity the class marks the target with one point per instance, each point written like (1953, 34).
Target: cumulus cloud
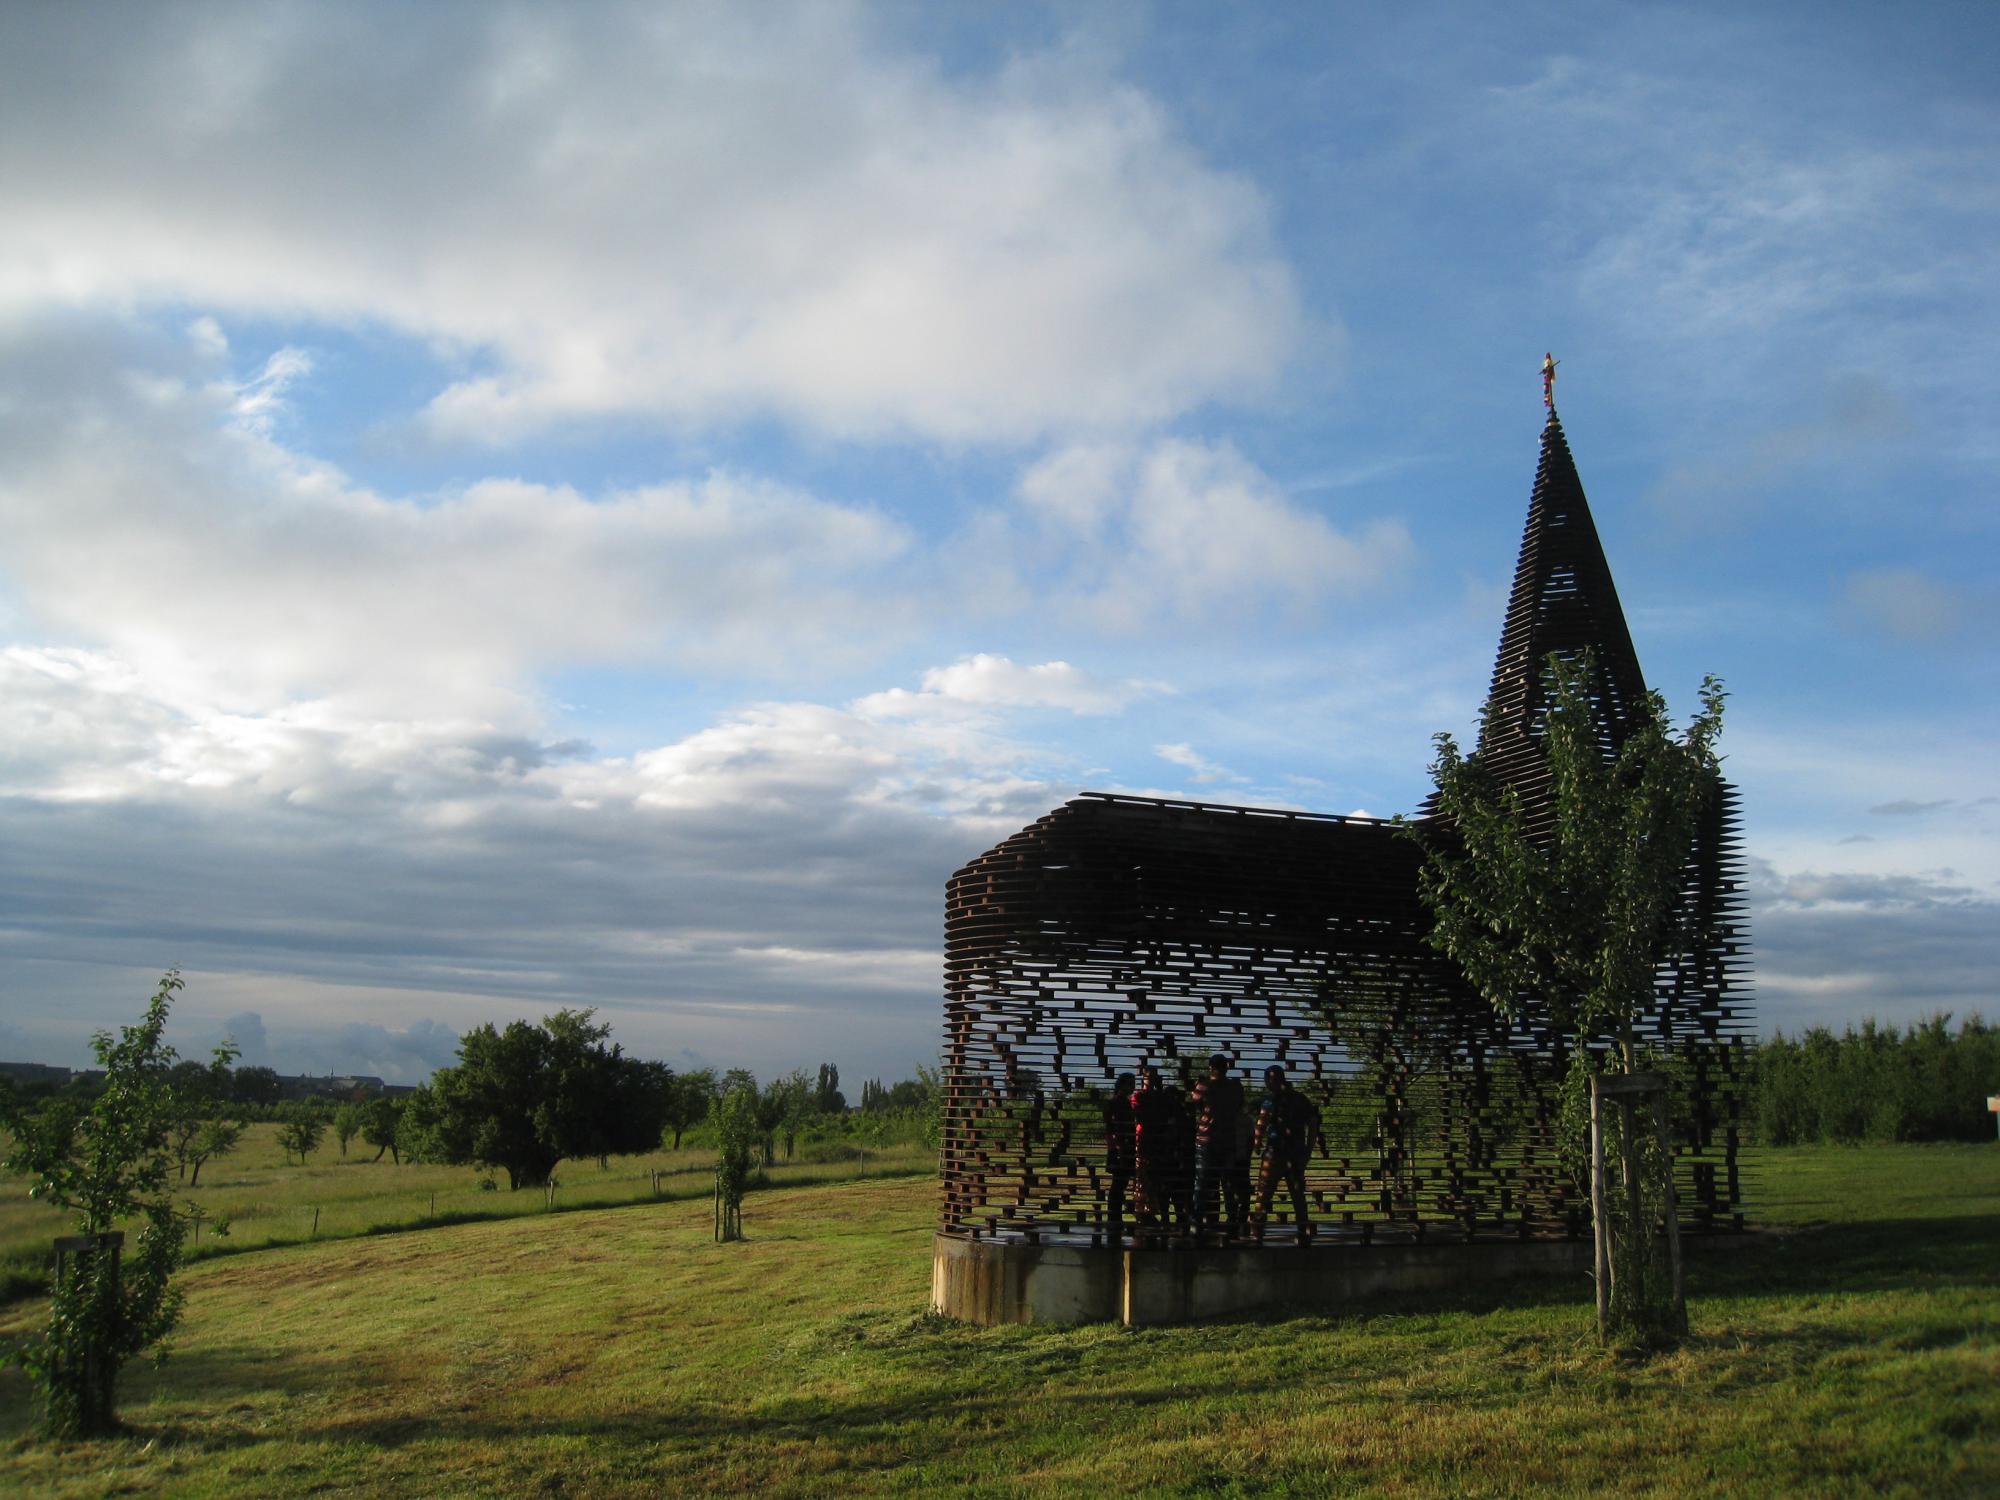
(988, 681)
(786, 861)
(245, 1031)
(1187, 532)
(150, 513)
(692, 214)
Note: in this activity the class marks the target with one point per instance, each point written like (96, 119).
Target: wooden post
(1600, 1231)
(1673, 1213)
(1637, 1228)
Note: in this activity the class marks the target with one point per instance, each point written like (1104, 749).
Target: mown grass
(621, 1352)
(267, 1199)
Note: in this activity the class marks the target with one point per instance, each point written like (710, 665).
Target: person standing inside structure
(1120, 1148)
(1160, 1163)
(1218, 1108)
(1287, 1126)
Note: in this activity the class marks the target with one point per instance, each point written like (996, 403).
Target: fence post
(1600, 1231)
(1673, 1212)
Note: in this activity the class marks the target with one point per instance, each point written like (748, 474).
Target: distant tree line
(1875, 1083)
(523, 1098)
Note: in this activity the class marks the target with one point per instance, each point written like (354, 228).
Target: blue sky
(507, 507)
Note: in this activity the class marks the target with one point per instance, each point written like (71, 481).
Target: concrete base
(987, 1281)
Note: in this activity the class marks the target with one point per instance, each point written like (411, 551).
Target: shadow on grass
(1874, 1255)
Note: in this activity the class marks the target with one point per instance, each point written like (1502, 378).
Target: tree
(688, 1099)
(781, 1106)
(827, 1098)
(201, 1092)
(737, 1130)
(105, 1160)
(257, 1085)
(1578, 900)
(346, 1124)
(217, 1137)
(380, 1120)
(301, 1127)
(524, 1098)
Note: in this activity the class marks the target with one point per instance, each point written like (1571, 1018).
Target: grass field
(268, 1200)
(618, 1351)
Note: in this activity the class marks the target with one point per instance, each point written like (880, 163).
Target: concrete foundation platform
(989, 1281)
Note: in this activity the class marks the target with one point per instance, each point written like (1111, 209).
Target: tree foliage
(381, 1120)
(1576, 902)
(1877, 1083)
(256, 1086)
(106, 1160)
(737, 1131)
(217, 1137)
(1578, 910)
(347, 1124)
(301, 1128)
(524, 1098)
(689, 1096)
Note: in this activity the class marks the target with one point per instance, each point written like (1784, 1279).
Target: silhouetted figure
(1218, 1115)
(1236, 1180)
(1287, 1125)
(1120, 1150)
(1162, 1158)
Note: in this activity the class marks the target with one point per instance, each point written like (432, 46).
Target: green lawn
(269, 1200)
(620, 1352)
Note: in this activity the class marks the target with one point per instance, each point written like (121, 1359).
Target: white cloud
(690, 214)
(153, 516)
(1192, 533)
(786, 857)
(985, 681)
(1203, 771)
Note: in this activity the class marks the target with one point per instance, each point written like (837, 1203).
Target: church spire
(1563, 602)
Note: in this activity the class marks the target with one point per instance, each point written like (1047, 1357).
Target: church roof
(1563, 602)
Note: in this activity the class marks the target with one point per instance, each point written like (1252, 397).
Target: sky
(506, 507)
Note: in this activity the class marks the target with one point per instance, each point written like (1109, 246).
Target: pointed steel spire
(1564, 602)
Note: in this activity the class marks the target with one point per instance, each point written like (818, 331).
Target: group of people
(1172, 1155)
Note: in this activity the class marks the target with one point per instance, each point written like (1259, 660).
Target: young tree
(346, 1124)
(737, 1131)
(105, 1159)
(1577, 900)
(202, 1093)
(217, 1137)
(301, 1127)
(380, 1120)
